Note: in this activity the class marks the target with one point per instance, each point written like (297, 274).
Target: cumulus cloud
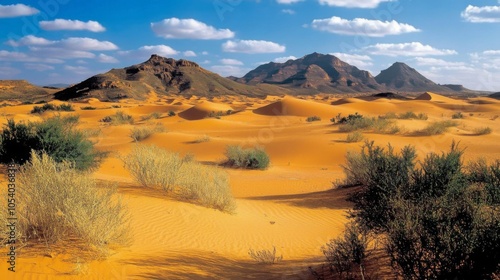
(38, 67)
(230, 61)
(366, 4)
(363, 27)
(106, 58)
(407, 49)
(189, 53)
(145, 52)
(79, 70)
(284, 59)
(481, 14)
(23, 57)
(252, 46)
(72, 43)
(60, 53)
(361, 61)
(174, 28)
(288, 11)
(16, 10)
(66, 24)
(430, 61)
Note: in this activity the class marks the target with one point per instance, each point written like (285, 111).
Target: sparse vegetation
(154, 115)
(60, 203)
(49, 107)
(179, 177)
(405, 116)
(437, 128)
(88, 108)
(171, 113)
(358, 122)
(354, 137)
(251, 158)
(313, 119)
(457, 115)
(118, 118)
(214, 114)
(202, 139)
(56, 136)
(116, 106)
(143, 132)
(265, 256)
(482, 130)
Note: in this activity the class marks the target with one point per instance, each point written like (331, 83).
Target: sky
(67, 41)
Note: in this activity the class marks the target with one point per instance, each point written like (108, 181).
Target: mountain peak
(400, 76)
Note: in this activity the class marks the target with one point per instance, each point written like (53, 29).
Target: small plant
(202, 139)
(457, 115)
(313, 119)
(118, 118)
(116, 106)
(141, 133)
(171, 113)
(49, 107)
(216, 115)
(265, 256)
(88, 108)
(154, 115)
(354, 137)
(252, 158)
(482, 131)
(65, 107)
(437, 128)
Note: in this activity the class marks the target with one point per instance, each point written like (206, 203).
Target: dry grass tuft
(143, 132)
(265, 256)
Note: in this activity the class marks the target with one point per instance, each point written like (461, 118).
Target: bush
(88, 108)
(437, 128)
(65, 107)
(457, 115)
(55, 136)
(313, 119)
(354, 137)
(265, 256)
(405, 116)
(482, 131)
(252, 158)
(59, 203)
(154, 115)
(348, 252)
(49, 107)
(358, 122)
(440, 219)
(171, 113)
(180, 177)
(118, 118)
(202, 139)
(141, 133)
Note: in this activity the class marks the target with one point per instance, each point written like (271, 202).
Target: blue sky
(67, 41)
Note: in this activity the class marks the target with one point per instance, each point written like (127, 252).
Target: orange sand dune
(203, 109)
(290, 106)
(429, 96)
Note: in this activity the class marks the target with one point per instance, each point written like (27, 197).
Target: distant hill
(316, 72)
(402, 77)
(163, 76)
(495, 95)
(57, 86)
(21, 90)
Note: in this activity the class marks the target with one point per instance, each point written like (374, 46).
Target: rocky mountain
(317, 72)
(402, 77)
(163, 76)
(22, 90)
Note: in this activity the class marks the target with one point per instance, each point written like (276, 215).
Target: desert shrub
(88, 108)
(457, 115)
(56, 136)
(92, 132)
(439, 218)
(437, 128)
(116, 106)
(118, 118)
(405, 116)
(49, 107)
(482, 130)
(171, 113)
(214, 114)
(65, 107)
(354, 137)
(358, 122)
(348, 252)
(251, 158)
(390, 115)
(181, 178)
(202, 139)
(71, 119)
(265, 256)
(143, 132)
(313, 119)
(154, 115)
(60, 203)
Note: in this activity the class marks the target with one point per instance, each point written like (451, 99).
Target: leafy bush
(313, 119)
(118, 118)
(60, 203)
(180, 177)
(252, 158)
(437, 128)
(55, 136)
(141, 133)
(265, 256)
(354, 137)
(457, 115)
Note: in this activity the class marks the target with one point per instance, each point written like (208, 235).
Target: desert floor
(291, 205)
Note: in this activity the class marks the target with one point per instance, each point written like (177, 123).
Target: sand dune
(203, 109)
(290, 106)
(429, 96)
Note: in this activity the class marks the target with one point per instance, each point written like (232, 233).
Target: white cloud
(288, 1)
(361, 61)
(492, 52)
(288, 11)
(204, 53)
(435, 62)
(189, 53)
(38, 67)
(252, 46)
(72, 43)
(189, 29)
(66, 24)
(283, 59)
(361, 26)
(229, 61)
(106, 59)
(16, 10)
(367, 4)
(23, 57)
(229, 70)
(481, 14)
(145, 52)
(407, 49)
(60, 53)
(80, 70)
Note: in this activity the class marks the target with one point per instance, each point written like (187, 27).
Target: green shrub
(141, 133)
(378, 125)
(118, 118)
(154, 115)
(354, 137)
(252, 158)
(171, 113)
(457, 115)
(49, 107)
(482, 131)
(56, 136)
(88, 108)
(313, 119)
(60, 203)
(65, 107)
(437, 128)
